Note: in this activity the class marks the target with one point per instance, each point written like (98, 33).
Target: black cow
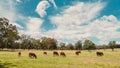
(99, 53)
(19, 54)
(45, 53)
(55, 53)
(77, 52)
(62, 54)
(32, 55)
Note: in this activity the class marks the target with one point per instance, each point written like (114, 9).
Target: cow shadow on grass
(6, 65)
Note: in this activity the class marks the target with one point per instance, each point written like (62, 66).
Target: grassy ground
(84, 60)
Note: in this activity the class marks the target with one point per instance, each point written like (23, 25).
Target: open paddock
(84, 60)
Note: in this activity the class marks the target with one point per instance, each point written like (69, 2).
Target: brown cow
(77, 52)
(45, 53)
(32, 55)
(55, 53)
(62, 54)
(19, 54)
(99, 53)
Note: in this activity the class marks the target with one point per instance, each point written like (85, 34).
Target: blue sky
(65, 20)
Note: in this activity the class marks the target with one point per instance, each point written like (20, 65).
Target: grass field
(84, 60)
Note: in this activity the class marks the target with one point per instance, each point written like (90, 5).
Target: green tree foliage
(117, 46)
(8, 34)
(17, 45)
(70, 46)
(78, 45)
(36, 44)
(88, 44)
(30, 43)
(112, 44)
(104, 46)
(62, 46)
(26, 44)
(49, 43)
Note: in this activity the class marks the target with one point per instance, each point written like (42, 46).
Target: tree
(104, 46)
(112, 44)
(49, 43)
(62, 46)
(88, 44)
(78, 45)
(8, 33)
(3, 27)
(117, 46)
(70, 46)
(36, 44)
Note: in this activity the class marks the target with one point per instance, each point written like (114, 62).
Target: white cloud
(78, 14)
(18, 0)
(41, 8)
(34, 24)
(78, 22)
(105, 28)
(17, 25)
(118, 42)
(8, 11)
(53, 2)
(43, 5)
(69, 22)
(33, 27)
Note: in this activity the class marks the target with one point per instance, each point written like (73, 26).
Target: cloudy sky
(65, 20)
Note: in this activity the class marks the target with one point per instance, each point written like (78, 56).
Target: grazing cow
(19, 54)
(99, 53)
(32, 55)
(55, 53)
(62, 54)
(77, 52)
(45, 53)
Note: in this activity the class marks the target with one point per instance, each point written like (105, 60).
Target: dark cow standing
(99, 53)
(32, 55)
(77, 52)
(62, 54)
(19, 54)
(55, 53)
(45, 53)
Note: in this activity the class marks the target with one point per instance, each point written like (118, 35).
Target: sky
(65, 20)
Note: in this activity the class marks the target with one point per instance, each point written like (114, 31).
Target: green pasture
(86, 59)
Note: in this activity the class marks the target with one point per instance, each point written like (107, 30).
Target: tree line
(9, 38)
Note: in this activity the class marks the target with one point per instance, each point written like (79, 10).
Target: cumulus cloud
(8, 10)
(53, 2)
(43, 5)
(105, 28)
(18, 0)
(118, 42)
(41, 8)
(70, 22)
(79, 22)
(33, 27)
(78, 14)
(34, 24)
